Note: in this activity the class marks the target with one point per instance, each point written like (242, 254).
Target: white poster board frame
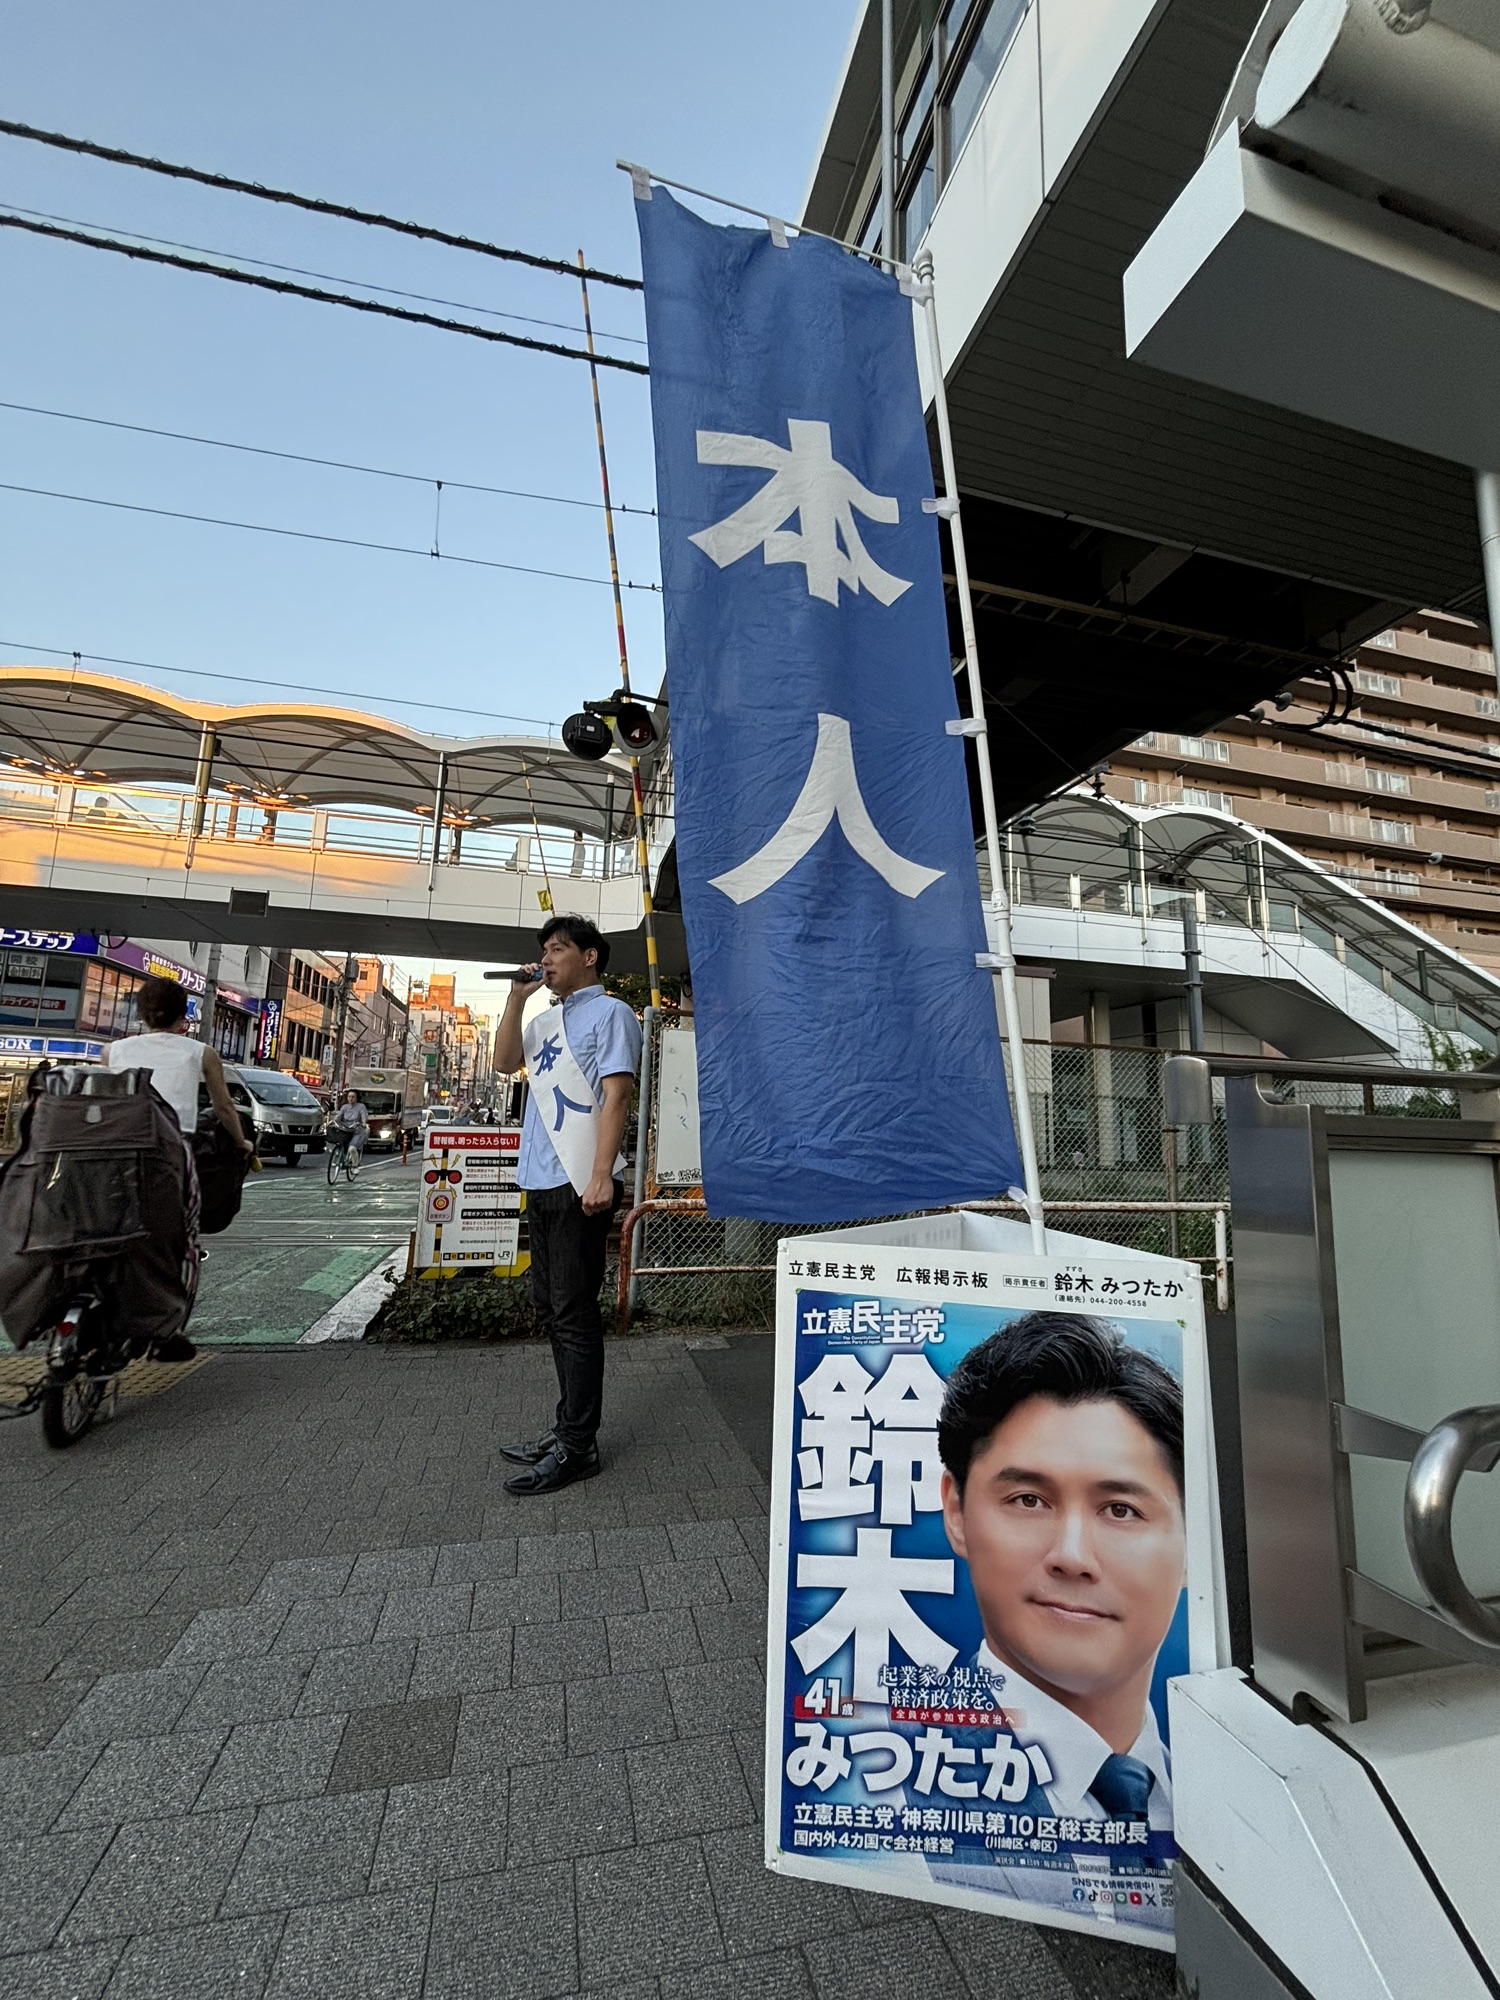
(882, 1260)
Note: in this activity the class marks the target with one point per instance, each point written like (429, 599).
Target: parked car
(280, 1114)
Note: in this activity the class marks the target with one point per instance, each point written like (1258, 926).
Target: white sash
(565, 1100)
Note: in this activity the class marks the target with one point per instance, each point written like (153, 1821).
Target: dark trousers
(567, 1269)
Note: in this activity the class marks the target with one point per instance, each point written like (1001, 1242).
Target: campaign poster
(993, 1542)
(470, 1206)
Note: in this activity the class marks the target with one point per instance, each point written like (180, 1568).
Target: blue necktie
(1122, 1786)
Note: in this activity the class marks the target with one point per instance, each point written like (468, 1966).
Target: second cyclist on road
(351, 1125)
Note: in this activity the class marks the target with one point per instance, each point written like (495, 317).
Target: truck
(393, 1099)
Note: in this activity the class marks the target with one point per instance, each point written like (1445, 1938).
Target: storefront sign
(470, 1206)
(83, 944)
(54, 1046)
(227, 996)
(989, 1553)
(140, 959)
(268, 1042)
(55, 1003)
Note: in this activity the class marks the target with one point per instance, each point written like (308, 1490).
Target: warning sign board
(469, 1209)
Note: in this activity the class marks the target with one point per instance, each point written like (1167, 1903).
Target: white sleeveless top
(175, 1063)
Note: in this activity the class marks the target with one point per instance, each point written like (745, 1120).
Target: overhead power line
(333, 464)
(285, 285)
(260, 681)
(310, 535)
(10, 129)
(324, 277)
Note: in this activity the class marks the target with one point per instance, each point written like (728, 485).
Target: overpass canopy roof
(92, 728)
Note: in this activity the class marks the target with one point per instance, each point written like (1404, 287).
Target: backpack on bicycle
(100, 1189)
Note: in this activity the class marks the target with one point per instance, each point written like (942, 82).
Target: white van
(279, 1113)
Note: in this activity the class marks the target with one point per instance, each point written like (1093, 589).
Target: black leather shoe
(532, 1452)
(175, 1347)
(559, 1468)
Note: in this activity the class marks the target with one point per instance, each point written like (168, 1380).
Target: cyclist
(351, 1124)
(177, 1062)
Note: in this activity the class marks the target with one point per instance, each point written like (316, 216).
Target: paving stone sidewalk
(295, 1700)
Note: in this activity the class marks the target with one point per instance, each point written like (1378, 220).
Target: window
(1218, 801)
(917, 107)
(1369, 683)
(967, 49)
(1486, 704)
(1399, 831)
(1203, 747)
(1381, 780)
(1395, 882)
(918, 203)
(107, 1003)
(1386, 639)
(1150, 741)
(978, 69)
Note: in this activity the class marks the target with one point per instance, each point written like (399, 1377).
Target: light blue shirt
(605, 1038)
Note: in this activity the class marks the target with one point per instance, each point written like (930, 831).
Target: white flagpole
(1001, 957)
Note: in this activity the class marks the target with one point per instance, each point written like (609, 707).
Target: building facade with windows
(304, 987)
(379, 1024)
(1402, 798)
(65, 995)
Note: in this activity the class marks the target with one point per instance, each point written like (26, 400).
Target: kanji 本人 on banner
(848, 1051)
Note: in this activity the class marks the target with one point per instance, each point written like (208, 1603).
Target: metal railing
(732, 1291)
(167, 813)
(1111, 1166)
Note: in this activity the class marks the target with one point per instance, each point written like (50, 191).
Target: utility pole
(643, 859)
(211, 993)
(1192, 959)
(346, 987)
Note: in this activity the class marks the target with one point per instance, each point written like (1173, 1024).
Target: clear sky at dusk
(499, 120)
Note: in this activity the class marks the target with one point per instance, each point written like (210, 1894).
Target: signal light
(635, 731)
(617, 724)
(588, 736)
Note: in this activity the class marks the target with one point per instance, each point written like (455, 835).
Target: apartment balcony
(1390, 695)
(1474, 664)
(1217, 763)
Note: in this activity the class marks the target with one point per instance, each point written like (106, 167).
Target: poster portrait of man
(983, 1581)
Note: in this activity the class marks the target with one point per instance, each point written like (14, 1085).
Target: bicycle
(342, 1152)
(81, 1385)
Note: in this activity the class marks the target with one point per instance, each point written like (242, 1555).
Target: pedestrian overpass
(1292, 954)
(128, 810)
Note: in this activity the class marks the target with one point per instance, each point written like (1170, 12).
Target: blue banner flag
(848, 1050)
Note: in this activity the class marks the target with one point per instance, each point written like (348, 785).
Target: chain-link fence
(1102, 1144)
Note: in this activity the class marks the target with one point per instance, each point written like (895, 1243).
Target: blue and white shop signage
(82, 944)
(991, 1548)
(848, 1053)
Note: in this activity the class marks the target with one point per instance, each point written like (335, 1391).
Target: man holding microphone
(581, 1055)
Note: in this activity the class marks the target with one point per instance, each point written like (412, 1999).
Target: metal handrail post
(642, 1137)
(1001, 955)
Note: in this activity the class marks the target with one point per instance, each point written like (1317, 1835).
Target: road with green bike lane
(298, 1246)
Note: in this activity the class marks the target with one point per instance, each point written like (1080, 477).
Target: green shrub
(473, 1306)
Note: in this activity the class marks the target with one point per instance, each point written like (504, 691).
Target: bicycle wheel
(351, 1162)
(68, 1408)
(334, 1155)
